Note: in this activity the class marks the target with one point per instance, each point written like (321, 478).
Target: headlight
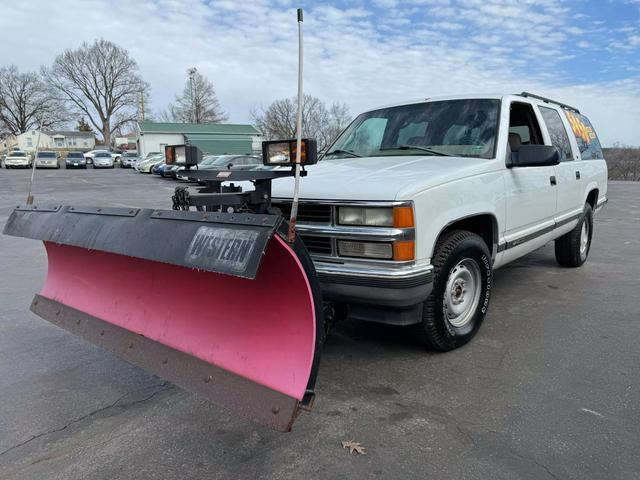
(398, 217)
(370, 217)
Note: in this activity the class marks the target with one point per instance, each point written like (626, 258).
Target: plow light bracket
(283, 152)
(182, 155)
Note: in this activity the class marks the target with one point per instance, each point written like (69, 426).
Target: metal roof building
(213, 138)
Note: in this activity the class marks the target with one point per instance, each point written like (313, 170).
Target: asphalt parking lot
(550, 387)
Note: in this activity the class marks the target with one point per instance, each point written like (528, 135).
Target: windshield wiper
(353, 154)
(417, 147)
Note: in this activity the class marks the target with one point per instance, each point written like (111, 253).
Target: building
(211, 138)
(127, 142)
(56, 140)
(8, 142)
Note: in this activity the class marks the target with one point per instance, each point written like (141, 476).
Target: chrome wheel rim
(584, 238)
(462, 292)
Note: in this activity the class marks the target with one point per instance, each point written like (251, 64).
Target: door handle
(552, 180)
(577, 175)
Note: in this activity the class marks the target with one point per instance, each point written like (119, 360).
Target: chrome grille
(319, 245)
(307, 212)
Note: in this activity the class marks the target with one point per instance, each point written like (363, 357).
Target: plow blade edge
(217, 303)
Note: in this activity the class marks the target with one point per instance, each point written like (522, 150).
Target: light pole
(192, 71)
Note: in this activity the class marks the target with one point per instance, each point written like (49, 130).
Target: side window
(588, 142)
(557, 132)
(523, 126)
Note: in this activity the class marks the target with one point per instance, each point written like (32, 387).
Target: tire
(572, 249)
(462, 259)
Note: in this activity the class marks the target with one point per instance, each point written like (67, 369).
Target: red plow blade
(247, 338)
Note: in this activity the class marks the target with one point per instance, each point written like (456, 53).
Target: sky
(363, 53)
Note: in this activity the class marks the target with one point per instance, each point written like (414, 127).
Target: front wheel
(572, 249)
(458, 303)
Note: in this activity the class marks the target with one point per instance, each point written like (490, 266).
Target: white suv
(415, 205)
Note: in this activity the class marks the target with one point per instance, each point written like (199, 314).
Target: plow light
(182, 155)
(283, 152)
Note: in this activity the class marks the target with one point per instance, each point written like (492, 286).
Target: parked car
(171, 171)
(90, 154)
(46, 159)
(415, 205)
(116, 155)
(75, 160)
(129, 159)
(18, 159)
(145, 166)
(158, 168)
(102, 160)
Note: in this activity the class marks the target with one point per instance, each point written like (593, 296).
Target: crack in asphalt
(163, 387)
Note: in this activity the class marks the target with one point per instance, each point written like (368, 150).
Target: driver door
(530, 191)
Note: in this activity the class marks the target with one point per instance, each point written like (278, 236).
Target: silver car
(47, 160)
(145, 166)
(102, 160)
(129, 160)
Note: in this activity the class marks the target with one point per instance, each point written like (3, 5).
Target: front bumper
(400, 287)
(75, 164)
(47, 164)
(16, 163)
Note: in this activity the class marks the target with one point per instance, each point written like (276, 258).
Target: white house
(57, 139)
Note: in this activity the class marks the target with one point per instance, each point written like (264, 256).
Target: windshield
(464, 128)
(17, 154)
(103, 154)
(46, 155)
(131, 155)
(75, 155)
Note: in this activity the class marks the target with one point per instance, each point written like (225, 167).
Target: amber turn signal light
(403, 217)
(404, 250)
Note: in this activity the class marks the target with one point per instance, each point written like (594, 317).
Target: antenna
(291, 236)
(33, 166)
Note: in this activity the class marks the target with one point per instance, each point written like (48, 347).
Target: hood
(380, 178)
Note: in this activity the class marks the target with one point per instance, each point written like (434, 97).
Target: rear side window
(557, 132)
(586, 137)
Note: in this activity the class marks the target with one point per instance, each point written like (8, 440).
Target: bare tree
(27, 102)
(198, 102)
(623, 162)
(101, 81)
(83, 126)
(324, 124)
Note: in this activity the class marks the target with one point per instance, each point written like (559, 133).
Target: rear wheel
(572, 249)
(458, 303)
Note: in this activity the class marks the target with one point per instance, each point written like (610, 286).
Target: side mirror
(229, 166)
(535, 156)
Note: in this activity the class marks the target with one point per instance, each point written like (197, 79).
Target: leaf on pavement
(353, 447)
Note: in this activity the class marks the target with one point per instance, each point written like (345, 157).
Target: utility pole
(192, 71)
(142, 106)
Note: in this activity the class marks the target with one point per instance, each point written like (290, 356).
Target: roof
(69, 133)
(200, 128)
(494, 96)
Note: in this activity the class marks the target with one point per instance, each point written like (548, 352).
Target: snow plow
(245, 324)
